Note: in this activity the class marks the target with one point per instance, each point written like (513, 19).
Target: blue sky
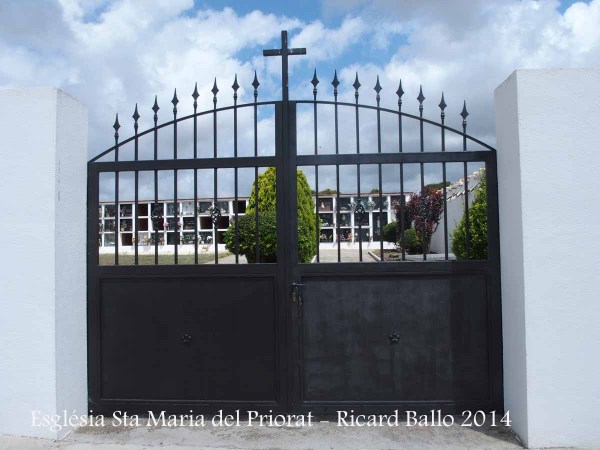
(307, 10)
(112, 54)
(331, 15)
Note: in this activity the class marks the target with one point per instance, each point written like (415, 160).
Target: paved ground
(325, 255)
(319, 436)
(348, 255)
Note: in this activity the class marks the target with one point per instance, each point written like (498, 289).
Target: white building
(168, 226)
(455, 209)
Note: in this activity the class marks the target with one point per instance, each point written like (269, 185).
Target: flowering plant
(426, 209)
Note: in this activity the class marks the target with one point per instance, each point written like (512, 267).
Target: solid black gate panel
(194, 339)
(395, 338)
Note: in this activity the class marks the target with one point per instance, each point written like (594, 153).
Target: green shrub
(410, 242)
(389, 232)
(267, 207)
(267, 232)
(478, 243)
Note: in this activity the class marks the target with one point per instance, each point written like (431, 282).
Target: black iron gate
(178, 322)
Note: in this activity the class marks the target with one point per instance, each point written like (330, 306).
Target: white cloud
(469, 65)
(326, 43)
(113, 53)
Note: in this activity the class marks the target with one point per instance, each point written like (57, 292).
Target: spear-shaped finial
(135, 116)
(314, 82)
(235, 86)
(155, 108)
(215, 90)
(175, 101)
(400, 93)
(377, 89)
(335, 83)
(356, 85)
(442, 104)
(116, 126)
(195, 96)
(255, 85)
(420, 98)
(464, 113)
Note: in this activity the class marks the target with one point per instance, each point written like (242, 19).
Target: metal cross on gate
(284, 52)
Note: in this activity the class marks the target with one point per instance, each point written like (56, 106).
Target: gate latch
(296, 295)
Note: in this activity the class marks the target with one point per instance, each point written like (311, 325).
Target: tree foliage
(267, 242)
(404, 222)
(425, 211)
(328, 191)
(389, 232)
(436, 186)
(267, 215)
(410, 242)
(478, 227)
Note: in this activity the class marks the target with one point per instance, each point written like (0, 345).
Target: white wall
(455, 209)
(43, 148)
(548, 140)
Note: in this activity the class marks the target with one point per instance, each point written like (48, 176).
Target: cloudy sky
(113, 53)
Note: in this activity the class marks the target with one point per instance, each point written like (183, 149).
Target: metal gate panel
(216, 345)
(288, 336)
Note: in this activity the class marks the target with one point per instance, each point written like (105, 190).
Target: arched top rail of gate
(335, 103)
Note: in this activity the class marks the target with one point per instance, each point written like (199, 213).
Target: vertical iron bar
(338, 213)
(256, 229)
(358, 200)
(195, 96)
(317, 217)
(400, 92)
(464, 115)
(443, 132)
(116, 126)
(235, 87)
(155, 108)
(215, 219)
(215, 173)
(175, 200)
(136, 218)
(378, 98)
(335, 84)
(117, 219)
(420, 98)
(255, 84)
(380, 214)
(136, 116)
(284, 66)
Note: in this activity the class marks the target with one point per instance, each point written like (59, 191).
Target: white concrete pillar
(43, 153)
(548, 135)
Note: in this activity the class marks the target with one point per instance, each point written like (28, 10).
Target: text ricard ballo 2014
(434, 418)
